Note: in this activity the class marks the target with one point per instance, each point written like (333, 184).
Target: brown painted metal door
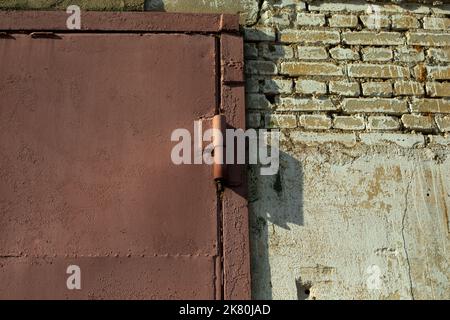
(86, 177)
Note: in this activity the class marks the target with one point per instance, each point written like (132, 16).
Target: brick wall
(330, 65)
(349, 66)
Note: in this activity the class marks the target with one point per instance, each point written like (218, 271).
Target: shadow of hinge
(42, 34)
(219, 168)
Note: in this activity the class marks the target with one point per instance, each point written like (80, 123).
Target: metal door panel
(85, 137)
(109, 278)
(85, 171)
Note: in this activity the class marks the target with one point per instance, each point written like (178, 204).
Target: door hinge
(219, 128)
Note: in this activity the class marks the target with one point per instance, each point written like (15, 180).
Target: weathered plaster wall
(340, 214)
(360, 207)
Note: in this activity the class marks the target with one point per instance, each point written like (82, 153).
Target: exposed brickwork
(377, 89)
(345, 88)
(320, 122)
(337, 67)
(383, 123)
(349, 123)
(311, 87)
(277, 86)
(375, 105)
(331, 65)
(408, 88)
(418, 122)
(436, 89)
(281, 121)
(443, 123)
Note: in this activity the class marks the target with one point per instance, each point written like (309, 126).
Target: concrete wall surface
(352, 220)
(361, 93)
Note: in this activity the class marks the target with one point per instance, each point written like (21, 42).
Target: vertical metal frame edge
(235, 224)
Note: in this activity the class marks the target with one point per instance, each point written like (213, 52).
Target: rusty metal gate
(86, 177)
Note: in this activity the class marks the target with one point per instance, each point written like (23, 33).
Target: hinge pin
(219, 126)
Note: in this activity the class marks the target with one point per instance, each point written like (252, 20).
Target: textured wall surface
(348, 219)
(360, 206)
(350, 67)
(361, 92)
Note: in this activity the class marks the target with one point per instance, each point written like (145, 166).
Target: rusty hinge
(219, 126)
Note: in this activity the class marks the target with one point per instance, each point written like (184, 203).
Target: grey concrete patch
(362, 222)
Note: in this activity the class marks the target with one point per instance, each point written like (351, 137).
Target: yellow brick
(417, 122)
(408, 88)
(430, 105)
(436, 89)
(310, 69)
(382, 71)
(310, 36)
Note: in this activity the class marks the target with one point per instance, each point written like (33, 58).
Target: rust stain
(444, 202)
(381, 174)
(422, 73)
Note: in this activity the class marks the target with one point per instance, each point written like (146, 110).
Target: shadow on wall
(274, 201)
(282, 206)
(154, 5)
